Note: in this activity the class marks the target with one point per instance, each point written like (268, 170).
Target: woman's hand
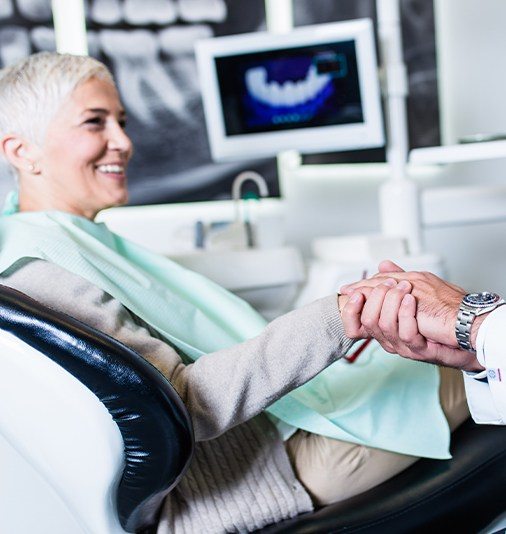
(350, 307)
(377, 314)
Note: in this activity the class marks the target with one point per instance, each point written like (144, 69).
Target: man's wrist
(473, 366)
(475, 327)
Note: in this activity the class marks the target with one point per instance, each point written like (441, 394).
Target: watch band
(472, 305)
(465, 319)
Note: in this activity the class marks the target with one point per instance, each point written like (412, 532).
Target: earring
(31, 167)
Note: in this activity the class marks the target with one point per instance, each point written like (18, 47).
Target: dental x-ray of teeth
(291, 88)
(148, 44)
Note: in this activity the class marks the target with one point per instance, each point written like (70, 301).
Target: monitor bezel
(367, 134)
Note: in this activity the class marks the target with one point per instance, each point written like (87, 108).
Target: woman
(62, 132)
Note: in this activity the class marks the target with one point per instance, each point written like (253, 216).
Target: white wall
(472, 79)
(471, 66)
(348, 205)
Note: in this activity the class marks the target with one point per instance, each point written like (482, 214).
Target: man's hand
(437, 301)
(389, 315)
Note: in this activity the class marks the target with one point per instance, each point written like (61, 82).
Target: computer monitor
(315, 89)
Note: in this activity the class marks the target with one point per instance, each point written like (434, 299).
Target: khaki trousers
(333, 470)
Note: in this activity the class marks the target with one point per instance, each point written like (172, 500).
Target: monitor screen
(290, 88)
(314, 89)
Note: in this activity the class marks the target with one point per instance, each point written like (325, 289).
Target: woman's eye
(95, 121)
(122, 123)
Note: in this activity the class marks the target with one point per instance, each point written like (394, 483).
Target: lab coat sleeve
(486, 391)
(221, 389)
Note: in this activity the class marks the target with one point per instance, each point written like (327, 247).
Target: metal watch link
(472, 305)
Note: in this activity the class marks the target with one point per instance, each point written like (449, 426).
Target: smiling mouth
(118, 170)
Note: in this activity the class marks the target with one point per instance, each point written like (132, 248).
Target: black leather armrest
(154, 423)
(463, 494)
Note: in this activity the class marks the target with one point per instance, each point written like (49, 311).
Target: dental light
(315, 89)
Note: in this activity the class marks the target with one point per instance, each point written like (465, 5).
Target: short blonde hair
(32, 90)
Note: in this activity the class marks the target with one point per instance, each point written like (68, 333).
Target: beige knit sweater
(240, 479)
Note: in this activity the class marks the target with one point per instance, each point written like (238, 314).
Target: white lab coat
(486, 391)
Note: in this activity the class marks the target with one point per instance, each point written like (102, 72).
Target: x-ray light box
(315, 89)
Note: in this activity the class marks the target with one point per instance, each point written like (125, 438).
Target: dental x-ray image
(148, 44)
(291, 88)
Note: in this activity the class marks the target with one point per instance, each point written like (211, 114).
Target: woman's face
(86, 151)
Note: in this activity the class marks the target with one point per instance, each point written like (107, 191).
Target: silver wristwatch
(472, 305)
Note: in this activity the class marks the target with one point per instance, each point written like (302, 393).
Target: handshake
(412, 314)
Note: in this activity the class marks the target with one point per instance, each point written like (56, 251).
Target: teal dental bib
(382, 400)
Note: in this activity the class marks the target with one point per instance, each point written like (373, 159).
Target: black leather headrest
(155, 425)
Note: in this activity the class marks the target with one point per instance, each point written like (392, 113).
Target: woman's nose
(119, 140)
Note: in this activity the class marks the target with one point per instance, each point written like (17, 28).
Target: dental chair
(92, 438)
(466, 494)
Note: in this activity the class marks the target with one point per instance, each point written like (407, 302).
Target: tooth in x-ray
(177, 43)
(106, 11)
(93, 43)
(136, 66)
(202, 10)
(14, 45)
(36, 10)
(43, 39)
(287, 94)
(180, 40)
(138, 12)
(6, 9)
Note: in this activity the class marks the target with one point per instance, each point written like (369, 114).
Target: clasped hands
(412, 314)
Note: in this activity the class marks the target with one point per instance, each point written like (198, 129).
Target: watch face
(481, 300)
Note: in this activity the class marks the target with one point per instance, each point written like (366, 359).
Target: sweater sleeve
(223, 388)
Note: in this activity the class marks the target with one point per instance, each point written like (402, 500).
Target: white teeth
(93, 43)
(180, 40)
(289, 93)
(36, 10)
(43, 38)
(116, 169)
(202, 10)
(106, 11)
(14, 45)
(135, 55)
(139, 12)
(6, 9)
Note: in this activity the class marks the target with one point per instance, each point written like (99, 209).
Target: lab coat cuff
(488, 332)
(481, 402)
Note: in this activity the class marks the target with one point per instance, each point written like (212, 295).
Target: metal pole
(399, 199)
(279, 16)
(279, 19)
(70, 27)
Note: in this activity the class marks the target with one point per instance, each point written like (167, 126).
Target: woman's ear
(20, 153)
